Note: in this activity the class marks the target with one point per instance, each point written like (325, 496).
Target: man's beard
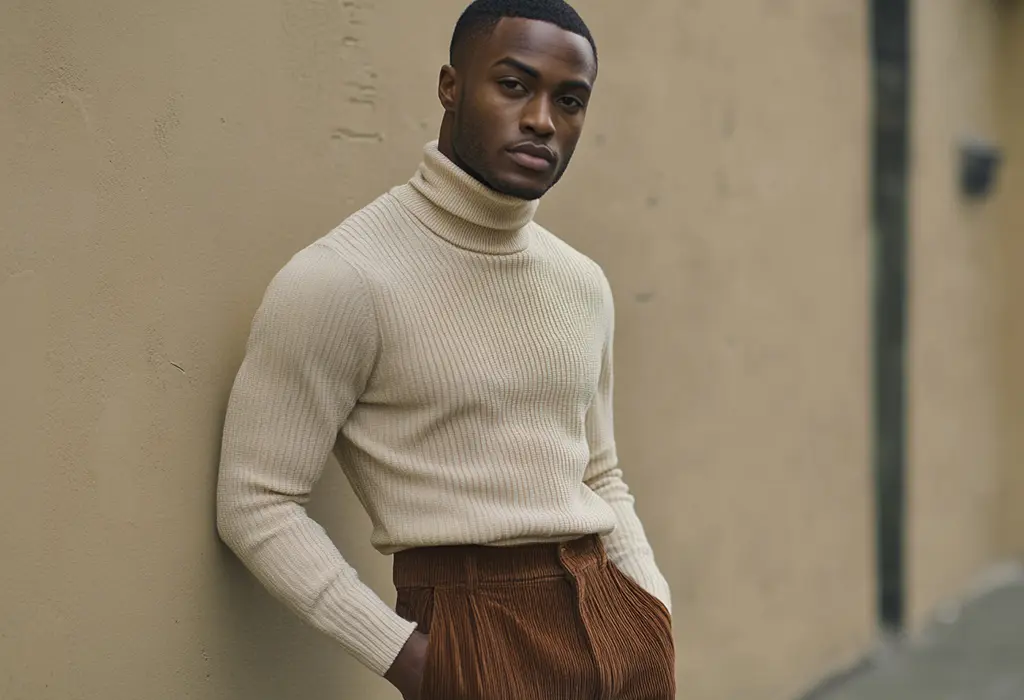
(470, 155)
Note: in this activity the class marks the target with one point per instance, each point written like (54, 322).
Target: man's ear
(447, 88)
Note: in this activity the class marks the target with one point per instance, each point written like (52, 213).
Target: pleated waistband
(469, 565)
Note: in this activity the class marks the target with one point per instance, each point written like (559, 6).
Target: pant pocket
(419, 605)
(451, 671)
(649, 607)
(642, 594)
(648, 657)
(434, 632)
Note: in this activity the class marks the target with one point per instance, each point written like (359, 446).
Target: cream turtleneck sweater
(457, 357)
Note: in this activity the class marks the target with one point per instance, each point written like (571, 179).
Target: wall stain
(346, 134)
(359, 84)
(365, 93)
(166, 124)
(355, 11)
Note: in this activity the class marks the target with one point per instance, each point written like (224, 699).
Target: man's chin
(520, 190)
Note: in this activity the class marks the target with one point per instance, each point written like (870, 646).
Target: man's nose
(537, 117)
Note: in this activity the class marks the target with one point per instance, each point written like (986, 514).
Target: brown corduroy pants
(536, 622)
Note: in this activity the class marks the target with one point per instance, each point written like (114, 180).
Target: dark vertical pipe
(890, 43)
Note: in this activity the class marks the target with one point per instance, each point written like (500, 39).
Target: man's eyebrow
(518, 65)
(534, 73)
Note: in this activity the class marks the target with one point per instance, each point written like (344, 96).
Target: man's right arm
(313, 344)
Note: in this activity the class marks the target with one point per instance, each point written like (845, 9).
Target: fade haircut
(482, 16)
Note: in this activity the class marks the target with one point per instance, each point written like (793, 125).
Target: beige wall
(953, 427)
(163, 160)
(960, 467)
(1010, 98)
(725, 171)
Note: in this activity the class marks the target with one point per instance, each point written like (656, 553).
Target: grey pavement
(973, 652)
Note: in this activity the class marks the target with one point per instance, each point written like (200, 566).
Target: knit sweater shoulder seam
(370, 291)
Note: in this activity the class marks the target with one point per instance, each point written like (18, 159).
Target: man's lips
(533, 156)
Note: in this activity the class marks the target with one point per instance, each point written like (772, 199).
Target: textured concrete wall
(162, 161)
(960, 433)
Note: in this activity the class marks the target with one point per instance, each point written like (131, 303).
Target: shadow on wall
(268, 651)
(265, 639)
(259, 635)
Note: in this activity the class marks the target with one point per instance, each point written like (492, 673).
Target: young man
(458, 358)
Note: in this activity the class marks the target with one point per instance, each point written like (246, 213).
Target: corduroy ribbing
(539, 621)
(457, 358)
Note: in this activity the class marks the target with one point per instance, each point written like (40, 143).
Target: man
(458, 358)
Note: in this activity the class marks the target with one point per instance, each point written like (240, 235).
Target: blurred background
(811, 213)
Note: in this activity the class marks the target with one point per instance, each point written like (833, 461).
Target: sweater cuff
(370, 630)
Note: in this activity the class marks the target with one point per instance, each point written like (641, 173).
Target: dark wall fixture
(979, 168)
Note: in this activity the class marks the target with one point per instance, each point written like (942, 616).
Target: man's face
(517, 104)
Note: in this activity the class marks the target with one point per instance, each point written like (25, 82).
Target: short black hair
(482, 16)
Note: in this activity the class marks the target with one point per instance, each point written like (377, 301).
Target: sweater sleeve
(313, 344)
(627, 544)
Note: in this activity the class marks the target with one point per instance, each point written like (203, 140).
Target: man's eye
(511, 85)
(573, 104)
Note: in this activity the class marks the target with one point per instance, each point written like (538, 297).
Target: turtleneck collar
(463, 211)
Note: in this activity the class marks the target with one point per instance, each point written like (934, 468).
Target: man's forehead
(528, 39)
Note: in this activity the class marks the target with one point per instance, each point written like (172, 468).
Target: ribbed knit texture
(458, 359)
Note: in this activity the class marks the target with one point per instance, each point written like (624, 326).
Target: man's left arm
(627, 544)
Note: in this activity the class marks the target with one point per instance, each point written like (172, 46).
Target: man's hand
(406, 673)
